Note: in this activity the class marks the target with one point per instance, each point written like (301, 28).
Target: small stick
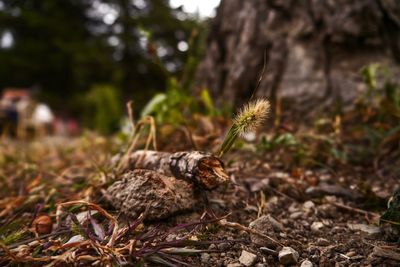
(240, 227)
(260, 77)
(16, 258)
(200, 168)
(386, 253)
(364, 212)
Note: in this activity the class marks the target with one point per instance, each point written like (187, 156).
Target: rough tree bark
(312, 47)
(165, 183)
(196, 167)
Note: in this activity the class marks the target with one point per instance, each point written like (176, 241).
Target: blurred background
(85, 57)
(74, 64)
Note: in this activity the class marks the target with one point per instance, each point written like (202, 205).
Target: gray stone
(296, 215)
(288, 256)
(212, 246)
(264, 226)
(316, 226)
(306, 263)
(322, 242)
(308, 205)
(205, 257)
(276, 224)
(223, 246)
(163, 195)
(247, 258)
(369, 229)
(350, 254)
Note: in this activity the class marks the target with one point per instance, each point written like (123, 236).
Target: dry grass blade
(136, 133)
(16, 258)
(95, 207)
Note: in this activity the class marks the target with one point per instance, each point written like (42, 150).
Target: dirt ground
(326, 225)
(327, 213)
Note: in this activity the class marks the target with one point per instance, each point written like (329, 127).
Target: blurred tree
(313, 48)
(147, 35)
(65, 47)
(52, 48)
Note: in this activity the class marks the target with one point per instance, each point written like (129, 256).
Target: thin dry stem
(240, 227)
(136, 131)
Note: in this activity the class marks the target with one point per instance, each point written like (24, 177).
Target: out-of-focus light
(118, 28)
(109, 18)
(204, 8)
(6, 40)
(161, 51)
(170, 66)
(143, 42)
(103, 8)
(183, 46)
(113, 40)
(139, 4)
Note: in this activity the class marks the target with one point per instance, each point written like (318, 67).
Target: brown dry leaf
(8, 204)
(34, 183)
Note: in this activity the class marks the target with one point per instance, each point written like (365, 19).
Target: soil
(328, 213)
(264, 188)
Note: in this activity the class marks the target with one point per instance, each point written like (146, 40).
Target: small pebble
(308, 205)
(306, 263)
(264, 226)
(212, 247)
(205, 257)
(247, 258)
(322, 242)
(223, 246)
(316, 226)
(288, 256)
(296, 215)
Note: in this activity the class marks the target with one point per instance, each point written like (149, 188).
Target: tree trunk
(312, 47)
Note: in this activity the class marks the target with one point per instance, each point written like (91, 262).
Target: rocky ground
(296, 197)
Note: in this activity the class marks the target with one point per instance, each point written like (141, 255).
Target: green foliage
(206, 99)
(173, 106)
(13, 237)
(379, 108)
(307, 149)
(383, 93)
(392, 214)
(103, 108)
(12, 232)
(369, 74)
(277, 141)
(229, 140)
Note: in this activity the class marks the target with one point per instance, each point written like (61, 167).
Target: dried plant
(249, 118)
